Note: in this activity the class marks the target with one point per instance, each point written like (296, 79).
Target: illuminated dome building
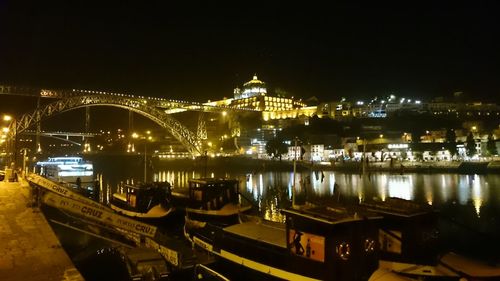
(254, 95)
(252, 88)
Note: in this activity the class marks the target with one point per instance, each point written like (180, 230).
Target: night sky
(202, 51)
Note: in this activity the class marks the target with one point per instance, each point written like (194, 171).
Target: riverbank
(421, 167)
(248, 165)
(259, 165)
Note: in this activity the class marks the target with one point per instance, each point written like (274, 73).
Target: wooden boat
(144, 201)
(313, 244)
(409, 244)
(211, 199)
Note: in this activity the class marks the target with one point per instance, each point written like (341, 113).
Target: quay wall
(249, 165)
(259, 165)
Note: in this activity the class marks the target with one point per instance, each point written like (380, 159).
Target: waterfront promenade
(29, 249)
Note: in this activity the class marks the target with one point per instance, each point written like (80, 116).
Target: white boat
(75, 171)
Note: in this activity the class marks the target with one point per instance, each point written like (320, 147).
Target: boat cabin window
(306, 244)
(143, 197)
(217, 192)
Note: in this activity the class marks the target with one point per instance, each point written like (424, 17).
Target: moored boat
(410, 244)
(211, 199)
(408, 237)
(144, 200)
(313, 244)
(75, 172)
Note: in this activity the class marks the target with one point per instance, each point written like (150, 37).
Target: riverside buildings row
(275, 110)
(279, 111)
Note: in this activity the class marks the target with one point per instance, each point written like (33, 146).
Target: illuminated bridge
(156, 109)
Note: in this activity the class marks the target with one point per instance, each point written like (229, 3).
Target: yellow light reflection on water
(272, 213)
(248, 183)
(400, 186)
(261, 184)
(332, 182)
(445, 188)
(290, 186)
(477, 196)
(429, 195)
(361, 195)
(317, 184)
(464, 186)
(382, 187)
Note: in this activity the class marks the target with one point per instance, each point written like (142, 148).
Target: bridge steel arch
(138, 105)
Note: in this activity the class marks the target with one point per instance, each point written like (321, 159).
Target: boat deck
(271, 233)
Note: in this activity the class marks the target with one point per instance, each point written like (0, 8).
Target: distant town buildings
(275, 110)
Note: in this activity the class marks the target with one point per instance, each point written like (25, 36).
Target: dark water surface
(469, 205)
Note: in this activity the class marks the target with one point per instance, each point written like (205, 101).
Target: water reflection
(400, 186)
(271, 191)
(468, 204)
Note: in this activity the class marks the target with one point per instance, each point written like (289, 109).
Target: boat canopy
(210, 193)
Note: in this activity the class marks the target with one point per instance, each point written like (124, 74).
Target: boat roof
(149, 185)
(270, 233)
(329, 215)
(63, 161)
(398, 207)
(207, 181)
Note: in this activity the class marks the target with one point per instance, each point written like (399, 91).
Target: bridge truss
(136, 104)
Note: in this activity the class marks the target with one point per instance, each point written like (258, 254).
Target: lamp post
(145, 159)
(25, 152)
(146, 139)
(363, 164)
(294, 170)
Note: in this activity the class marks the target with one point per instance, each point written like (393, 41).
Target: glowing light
(397, 145)
(7, 118)
(477, 197)
(400, 187)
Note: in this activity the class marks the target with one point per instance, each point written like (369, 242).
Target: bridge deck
(29, 249)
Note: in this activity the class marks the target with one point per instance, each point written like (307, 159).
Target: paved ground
(29, 249)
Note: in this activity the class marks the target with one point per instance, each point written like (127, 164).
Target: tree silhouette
(491, 146)
(470, 145)
(276, 147)
(451, 141)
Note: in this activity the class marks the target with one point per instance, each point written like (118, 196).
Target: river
(469, 205)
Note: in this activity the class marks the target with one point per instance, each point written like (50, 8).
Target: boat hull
(157, 212)
(272, 258)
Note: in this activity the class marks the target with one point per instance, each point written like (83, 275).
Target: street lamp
(10, 132)
(25, 152)
(146, 139)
